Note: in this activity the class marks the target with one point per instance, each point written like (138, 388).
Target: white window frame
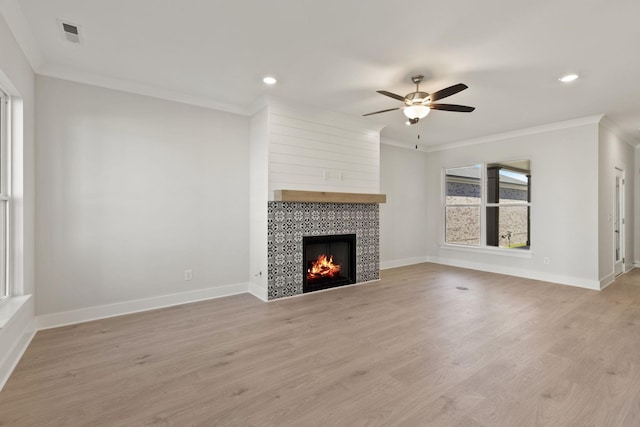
(480, 205)
(5, 191)
(482, 247)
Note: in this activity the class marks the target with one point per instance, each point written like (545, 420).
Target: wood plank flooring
(410, 350)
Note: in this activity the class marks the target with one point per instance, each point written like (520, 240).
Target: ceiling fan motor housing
(416, 98)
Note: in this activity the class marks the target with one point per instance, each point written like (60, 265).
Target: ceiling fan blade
(452, 107)
(381, 111)
(451, 90)
(391, 95)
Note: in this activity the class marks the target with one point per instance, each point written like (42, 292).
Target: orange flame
(323, 268)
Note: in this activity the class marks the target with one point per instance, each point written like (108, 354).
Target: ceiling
(335, 54)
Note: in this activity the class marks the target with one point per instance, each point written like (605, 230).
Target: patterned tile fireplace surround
(289, 222)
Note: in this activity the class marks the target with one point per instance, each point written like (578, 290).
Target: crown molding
(66, 73)
(518, 133)
(13, 16)
(613, 127)
(317, 114)
(260, 104)
(401, 144)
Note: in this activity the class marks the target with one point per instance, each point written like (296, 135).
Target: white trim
(400, 144)
(527, 274)
(259, 291)
(10, 306)
(133, 87)
(613, 127)
(620, 219)
(6, 178)
(13, 356)
(87, 314)
(509, 252)
(608, 279)
(312, 114)
(517, 133)
(15, 338)
(403, 262)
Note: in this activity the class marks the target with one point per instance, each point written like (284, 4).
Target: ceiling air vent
(70, 32)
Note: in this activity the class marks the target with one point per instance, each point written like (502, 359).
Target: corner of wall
(15, 337)
(259, 291)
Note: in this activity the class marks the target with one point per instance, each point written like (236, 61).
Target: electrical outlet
(188, 275)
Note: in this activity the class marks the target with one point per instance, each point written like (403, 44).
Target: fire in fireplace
(323, 267)
(328, 261)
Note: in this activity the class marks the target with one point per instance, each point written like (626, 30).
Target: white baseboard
(403, 262)
(607, 280)
(258, 291)
(527, 274)
(15, 337)
(55, 320)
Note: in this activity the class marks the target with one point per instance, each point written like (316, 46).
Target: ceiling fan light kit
(419, 104)
(416, 111)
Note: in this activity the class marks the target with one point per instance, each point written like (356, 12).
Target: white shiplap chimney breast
(295, 147)
(316, 150)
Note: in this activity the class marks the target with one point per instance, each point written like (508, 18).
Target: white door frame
(618, 222)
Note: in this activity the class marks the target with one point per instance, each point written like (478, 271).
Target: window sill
(10, 306)
(515, 253)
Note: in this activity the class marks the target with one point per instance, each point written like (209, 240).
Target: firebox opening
(329, 261)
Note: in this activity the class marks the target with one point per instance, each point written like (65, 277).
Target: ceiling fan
(418, 104)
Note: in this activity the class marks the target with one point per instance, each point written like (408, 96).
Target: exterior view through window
(463, 203)
(502, 216)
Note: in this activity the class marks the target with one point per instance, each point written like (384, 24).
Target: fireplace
(289, 222)
(328, 261)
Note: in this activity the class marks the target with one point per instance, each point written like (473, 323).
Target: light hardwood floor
(410, 350)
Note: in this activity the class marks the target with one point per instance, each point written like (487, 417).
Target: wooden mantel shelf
(327, 197)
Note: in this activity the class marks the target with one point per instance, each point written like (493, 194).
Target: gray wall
(564, 211)
(132, 191)
(404, 218)
(614, 153)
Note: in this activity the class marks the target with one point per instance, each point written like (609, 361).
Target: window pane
(462, 225)
(3, 144)
(3, 249)
(513, 226)
(462, 186)
(514, 187)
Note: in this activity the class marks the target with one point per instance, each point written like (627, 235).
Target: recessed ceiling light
(269, 80)
(568, 78)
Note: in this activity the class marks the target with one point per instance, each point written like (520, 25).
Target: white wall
(17, 315)
(564, 213)
(403, 219)
(259, 192)
(132, 191)
(614, 153)
(317, 150)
